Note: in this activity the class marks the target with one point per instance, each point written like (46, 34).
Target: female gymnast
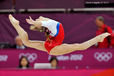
(55, 34)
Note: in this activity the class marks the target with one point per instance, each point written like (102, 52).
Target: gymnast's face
(37, 28)
(40, 29)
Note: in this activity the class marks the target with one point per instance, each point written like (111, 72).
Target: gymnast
(54, 33)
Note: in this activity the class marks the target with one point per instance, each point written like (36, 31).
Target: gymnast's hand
(30, 21)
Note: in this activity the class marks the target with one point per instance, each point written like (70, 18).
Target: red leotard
(55, 41)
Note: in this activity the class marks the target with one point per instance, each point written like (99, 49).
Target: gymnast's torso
(56, 34)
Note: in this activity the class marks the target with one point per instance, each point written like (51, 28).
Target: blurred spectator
(19, 44)
(54, 63)
(23, 63)
(102, 28)
(4, 45)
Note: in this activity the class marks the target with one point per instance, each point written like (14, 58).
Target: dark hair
(53, 58)
(20, 66)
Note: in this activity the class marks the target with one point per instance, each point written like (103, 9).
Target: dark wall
(43, 4)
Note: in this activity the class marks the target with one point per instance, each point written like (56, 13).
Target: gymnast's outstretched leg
(68, 48)
(24, 36)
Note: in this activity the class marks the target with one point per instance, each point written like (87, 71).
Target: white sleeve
(51, 25)
(44, 23)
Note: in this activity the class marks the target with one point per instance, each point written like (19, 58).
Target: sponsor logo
(31, 56)
(103, 56)
(76, 57)
(72, 57)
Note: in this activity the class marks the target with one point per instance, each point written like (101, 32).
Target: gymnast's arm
(33, 22)
(41, 18)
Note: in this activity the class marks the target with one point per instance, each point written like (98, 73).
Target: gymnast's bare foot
(13, 20)
(103, 36)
